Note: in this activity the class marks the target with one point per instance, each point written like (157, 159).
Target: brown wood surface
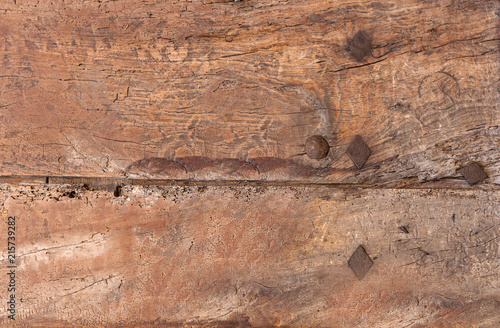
(199, 111)
(229, 90)
(253, 257)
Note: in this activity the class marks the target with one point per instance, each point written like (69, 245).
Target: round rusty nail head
(317, 147)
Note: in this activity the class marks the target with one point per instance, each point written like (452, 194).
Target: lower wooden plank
(206, 256)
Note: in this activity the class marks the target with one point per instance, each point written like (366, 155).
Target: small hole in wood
(118, 191)
(87, 187)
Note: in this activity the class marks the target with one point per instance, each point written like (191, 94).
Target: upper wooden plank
(231, 90)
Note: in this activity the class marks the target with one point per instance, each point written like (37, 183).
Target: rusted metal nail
(358, 151)
(317, 147)
(360, 262)
(473, 172)
(360, 46)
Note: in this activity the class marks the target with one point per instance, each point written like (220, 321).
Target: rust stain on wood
(252, 169)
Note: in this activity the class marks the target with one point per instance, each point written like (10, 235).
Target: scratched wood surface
(231, 90)
(253, 257)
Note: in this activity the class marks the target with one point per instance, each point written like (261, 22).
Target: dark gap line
(109, 183)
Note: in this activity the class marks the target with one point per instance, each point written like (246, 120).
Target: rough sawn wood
(253, 257)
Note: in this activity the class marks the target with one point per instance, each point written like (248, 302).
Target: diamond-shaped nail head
(360, 46)
(360, 262)
(473, 173)
(358, 151)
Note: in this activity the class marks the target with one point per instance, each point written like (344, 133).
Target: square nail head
(358, 151)
(360, 262)
(473, 172)
(360, 46)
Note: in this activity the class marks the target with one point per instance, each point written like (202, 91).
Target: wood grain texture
(253, 257)
(227, 90)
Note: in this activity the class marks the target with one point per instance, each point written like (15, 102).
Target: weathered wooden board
(217, 93)
(252, 257)
(231, 90)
